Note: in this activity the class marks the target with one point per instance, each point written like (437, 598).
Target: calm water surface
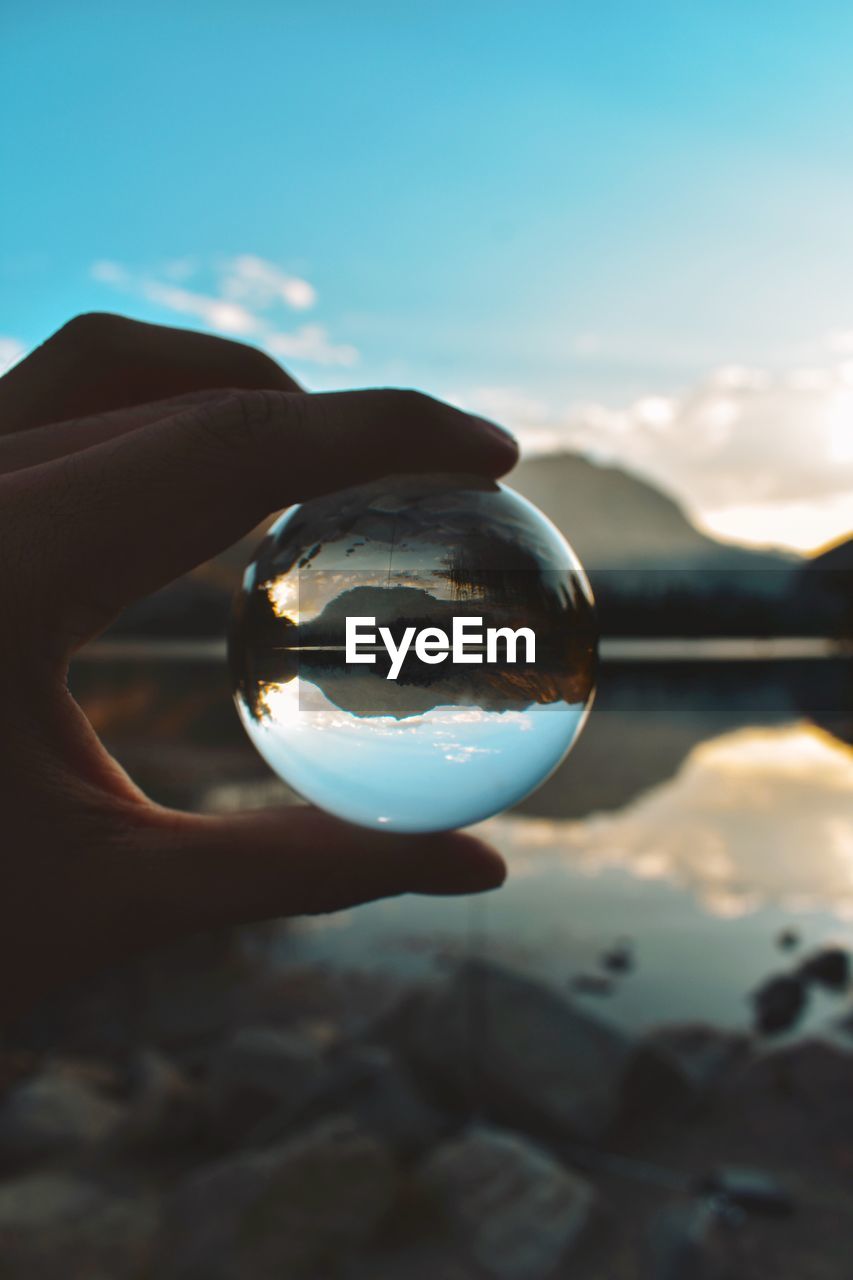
(707, 806)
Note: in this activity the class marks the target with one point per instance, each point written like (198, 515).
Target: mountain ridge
(663, 536)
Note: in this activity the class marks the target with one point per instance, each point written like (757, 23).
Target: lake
(707, 808)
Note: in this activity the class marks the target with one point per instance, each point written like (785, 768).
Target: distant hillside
(837, 558)
(825, 581)
(653, 572)
(615, 520)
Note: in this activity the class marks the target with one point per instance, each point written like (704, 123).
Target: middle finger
(57, 439)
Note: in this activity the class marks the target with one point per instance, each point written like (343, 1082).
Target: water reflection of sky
(760, 815)
(753, 833)
(444, 768)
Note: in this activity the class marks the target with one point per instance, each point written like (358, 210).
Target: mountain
(826, 582)
(615, 520)
(653, 572)
(836, 559)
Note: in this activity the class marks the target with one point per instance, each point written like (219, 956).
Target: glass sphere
(347, 671)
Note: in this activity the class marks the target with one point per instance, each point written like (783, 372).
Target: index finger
(119, 520)
(99, 362)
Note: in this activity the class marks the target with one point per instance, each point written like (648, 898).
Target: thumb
(204, 872)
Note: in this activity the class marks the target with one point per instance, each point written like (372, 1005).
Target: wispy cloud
(107, 272)
(756, 456)
(11, 350)
(259, 284)
(311, 342)
(247, 300)
(216, 313)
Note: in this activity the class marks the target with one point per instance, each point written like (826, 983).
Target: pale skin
(130, 453)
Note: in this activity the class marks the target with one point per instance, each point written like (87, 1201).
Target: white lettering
(353, 640)
(432, 645)
(460, 639)
(396, 653)
(511, 638)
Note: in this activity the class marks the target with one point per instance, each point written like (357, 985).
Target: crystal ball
(416, 653)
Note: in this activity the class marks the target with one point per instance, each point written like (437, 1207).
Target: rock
(792, 1109)
(163, 1109)
(493, 1039)
(57, 1227)
(750, 1189)
(682, 1065)
(193, 992)
(828, 968)
(680, 1242)
(378, 1089)
(58, 1109)
(787, 939)
(619, 958)
(421, 1262)
(778, 1003)
(289, 1210)
(15, 1066)
(261, 1072)
(518, 1213)
(592, 984)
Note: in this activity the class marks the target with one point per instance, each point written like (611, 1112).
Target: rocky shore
(208, 1116)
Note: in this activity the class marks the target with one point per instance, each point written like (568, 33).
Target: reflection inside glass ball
(414, 654)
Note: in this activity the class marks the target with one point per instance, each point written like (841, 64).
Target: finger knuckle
(54, 611)
(239, 424)
(92, 331)
(408, 405)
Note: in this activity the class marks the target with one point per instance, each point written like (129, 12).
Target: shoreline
(612, 649)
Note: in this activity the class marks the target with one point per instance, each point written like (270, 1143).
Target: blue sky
(623, 227)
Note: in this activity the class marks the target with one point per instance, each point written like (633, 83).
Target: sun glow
(283, 595)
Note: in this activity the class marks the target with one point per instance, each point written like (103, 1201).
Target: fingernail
(484, 869)
(501, 433)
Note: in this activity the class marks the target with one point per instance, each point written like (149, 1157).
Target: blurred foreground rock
(55, 1226)
(518, 1213)
(164, 1109)
(778, 1003)
(682, 1066)
(480, 1126)
(287, 1211)
(683, 1242)
(494, 1039)
(262, 1071)
(829, 968)
(58, 1109)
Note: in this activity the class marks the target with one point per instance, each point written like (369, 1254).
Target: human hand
(130, 453)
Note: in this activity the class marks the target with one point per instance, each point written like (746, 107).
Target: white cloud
(507, 404)
(247, 301)
(311, 342)
(587, 345)
(259, 284)
(107, 272)
(216, 313)
(764, 458)
(179, 269)
(11, 351)
(803, 526)
(841, 342)
(657, 413)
